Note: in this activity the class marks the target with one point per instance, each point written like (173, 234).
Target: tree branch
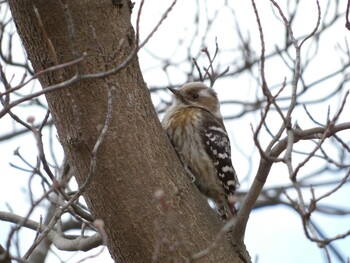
(61, 242)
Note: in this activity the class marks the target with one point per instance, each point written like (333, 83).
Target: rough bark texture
(136, 157)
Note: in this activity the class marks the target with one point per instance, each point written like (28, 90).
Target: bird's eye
(195, 96)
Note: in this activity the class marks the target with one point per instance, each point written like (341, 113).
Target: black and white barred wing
(217, 145)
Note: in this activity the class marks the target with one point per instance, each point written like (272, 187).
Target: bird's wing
(217, 145)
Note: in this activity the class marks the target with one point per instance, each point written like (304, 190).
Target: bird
(195, 127)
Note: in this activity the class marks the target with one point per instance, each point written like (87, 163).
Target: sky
(273, 233)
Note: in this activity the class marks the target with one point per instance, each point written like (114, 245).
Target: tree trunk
(136, 158)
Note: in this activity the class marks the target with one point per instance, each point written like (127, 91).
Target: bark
(136, 158)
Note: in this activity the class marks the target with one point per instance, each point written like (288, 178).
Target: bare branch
(63, 243)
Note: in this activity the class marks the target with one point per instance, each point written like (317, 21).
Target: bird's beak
(178, 95)
(174, 91)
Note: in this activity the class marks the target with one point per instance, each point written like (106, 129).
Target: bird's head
(199, 95)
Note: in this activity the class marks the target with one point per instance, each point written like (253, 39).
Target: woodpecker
(196, 129)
